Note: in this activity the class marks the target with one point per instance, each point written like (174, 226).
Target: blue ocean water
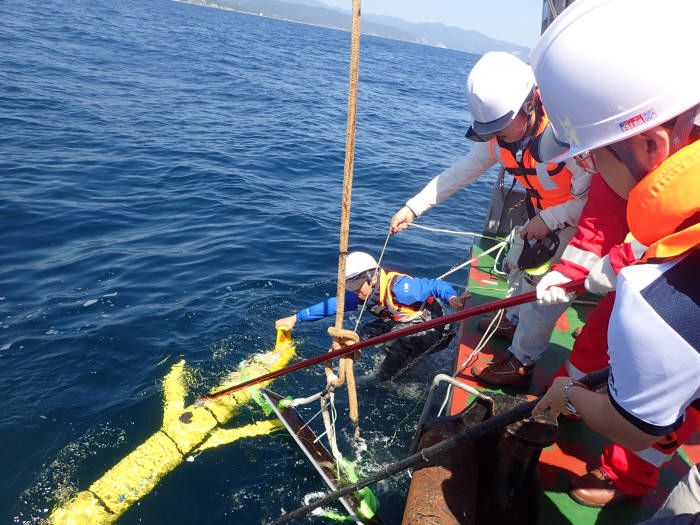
(170, 184)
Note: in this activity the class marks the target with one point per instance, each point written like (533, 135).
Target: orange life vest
(663, 210)
(403, 313)
(546, 184)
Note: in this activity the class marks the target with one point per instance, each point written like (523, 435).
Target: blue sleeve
(327, 308)
(409, 290)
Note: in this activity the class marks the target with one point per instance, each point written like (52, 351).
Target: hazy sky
(516, 21)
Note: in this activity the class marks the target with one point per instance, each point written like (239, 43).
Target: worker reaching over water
(508, 119)
(630, 103)
(398, 300)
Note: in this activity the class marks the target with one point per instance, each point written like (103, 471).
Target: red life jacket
(403, 313)
(546, 184)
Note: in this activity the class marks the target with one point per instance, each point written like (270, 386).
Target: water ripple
(171, 185)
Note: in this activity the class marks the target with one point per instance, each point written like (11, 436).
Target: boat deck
(578, 446)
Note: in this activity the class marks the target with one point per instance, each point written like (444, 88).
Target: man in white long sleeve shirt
(508, 119)
(475, 163)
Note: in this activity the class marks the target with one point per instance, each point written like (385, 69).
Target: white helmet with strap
(611, 69)
(497, 87)
(359, 265)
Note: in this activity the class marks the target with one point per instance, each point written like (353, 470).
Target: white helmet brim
(548, 148)
(485, 131)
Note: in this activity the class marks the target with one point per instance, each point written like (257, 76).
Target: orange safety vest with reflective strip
(403, 313)
(663, 210)
(547, 184)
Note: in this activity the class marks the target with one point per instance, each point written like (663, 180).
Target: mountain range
(317, 13)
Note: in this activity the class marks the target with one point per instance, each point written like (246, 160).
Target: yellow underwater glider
(186, 431)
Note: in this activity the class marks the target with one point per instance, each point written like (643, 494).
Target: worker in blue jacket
(399, 300)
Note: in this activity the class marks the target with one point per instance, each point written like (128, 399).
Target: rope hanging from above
(346, 370)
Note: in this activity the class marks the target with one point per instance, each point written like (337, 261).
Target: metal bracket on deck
(437, 381)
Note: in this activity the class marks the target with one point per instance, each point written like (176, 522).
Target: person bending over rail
(397, 300)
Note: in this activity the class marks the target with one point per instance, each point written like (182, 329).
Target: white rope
(502, 244)
(376, 271)
(507, 241)
(329, 420)
(291, 403)
(473, 259)
(488, 334)
(310, 420)
(454, 232)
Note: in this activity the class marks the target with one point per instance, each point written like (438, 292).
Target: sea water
(170, 184)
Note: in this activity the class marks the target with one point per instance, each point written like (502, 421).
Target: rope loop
(342, 337)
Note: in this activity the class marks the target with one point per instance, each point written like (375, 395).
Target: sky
(516, 21)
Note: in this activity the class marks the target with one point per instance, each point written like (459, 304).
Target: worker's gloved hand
(548, 291)
(287, 322)
(401, 220)
(602, 278)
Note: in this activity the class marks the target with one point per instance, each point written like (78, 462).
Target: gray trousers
(535, 322)
(682, 507)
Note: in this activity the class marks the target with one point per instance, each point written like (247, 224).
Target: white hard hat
(357, 264)
(611, 69)
(497, 87)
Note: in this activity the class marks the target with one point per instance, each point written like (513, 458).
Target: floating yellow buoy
(185, 431)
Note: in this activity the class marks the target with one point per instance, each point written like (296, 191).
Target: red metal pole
(572, 286)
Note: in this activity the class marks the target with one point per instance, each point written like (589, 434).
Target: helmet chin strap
(624, 153)
(682, 128)
(534, 116)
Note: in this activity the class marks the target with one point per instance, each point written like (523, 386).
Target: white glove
(548, 291)
(602, 278)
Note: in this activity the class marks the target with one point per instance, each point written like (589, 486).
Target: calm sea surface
(170, 184)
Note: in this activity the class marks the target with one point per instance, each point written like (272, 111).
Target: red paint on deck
(564, 458)
(563, 323)
(479, 277)
(466, 346)
(692, 446)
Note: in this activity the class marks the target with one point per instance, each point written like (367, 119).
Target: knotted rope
(345, 372)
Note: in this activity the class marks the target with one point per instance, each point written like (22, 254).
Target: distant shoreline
(260, 14)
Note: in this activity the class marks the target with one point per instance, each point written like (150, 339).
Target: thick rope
(343, 338)
(349, 160)
(345, 367)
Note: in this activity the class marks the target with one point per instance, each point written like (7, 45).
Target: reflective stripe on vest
(544, 178)
(400, 312)
(537, 177)
(572, 371)
(654, 456)
(579, 256)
